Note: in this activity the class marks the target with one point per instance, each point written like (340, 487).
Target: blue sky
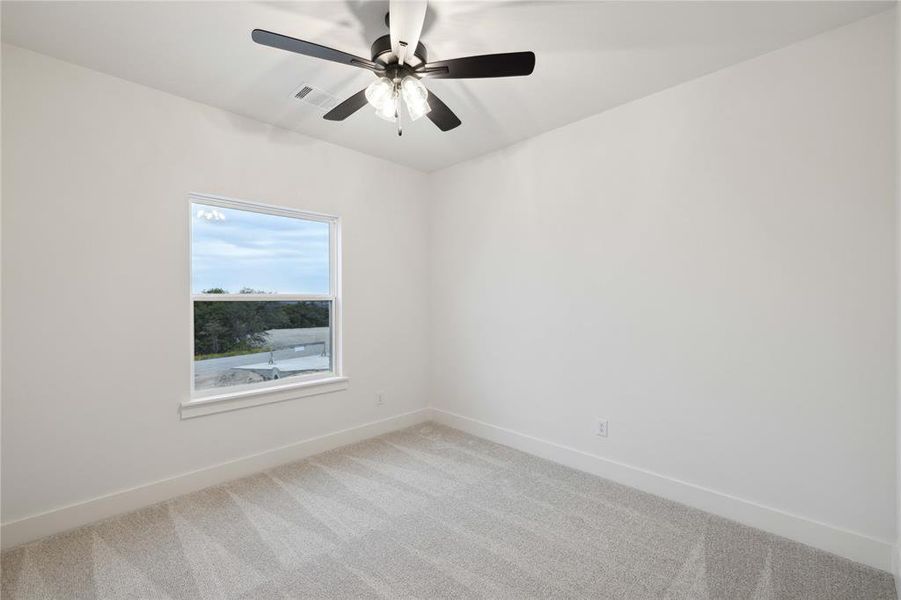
(263, 252)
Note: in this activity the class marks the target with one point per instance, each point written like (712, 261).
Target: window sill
(210, 405)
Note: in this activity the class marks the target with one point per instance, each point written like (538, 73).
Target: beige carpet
(427, 512)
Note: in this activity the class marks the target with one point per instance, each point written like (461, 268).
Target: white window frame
(204, 402)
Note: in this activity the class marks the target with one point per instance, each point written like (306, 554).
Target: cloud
(264, 252)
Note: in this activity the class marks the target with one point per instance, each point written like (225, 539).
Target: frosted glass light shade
(379, 91)
(388, 109)
(416, 97)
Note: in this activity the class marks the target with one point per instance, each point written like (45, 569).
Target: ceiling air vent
(310, 95)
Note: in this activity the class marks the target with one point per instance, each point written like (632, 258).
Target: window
(264, 298)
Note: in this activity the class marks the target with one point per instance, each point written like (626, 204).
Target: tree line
(240, 326)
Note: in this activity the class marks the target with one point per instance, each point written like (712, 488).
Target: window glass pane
(236, 251)
(237, 343)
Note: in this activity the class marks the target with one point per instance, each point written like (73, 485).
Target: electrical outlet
(600, 428)
(379, 398)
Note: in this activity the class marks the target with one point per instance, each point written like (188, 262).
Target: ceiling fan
(400, 61)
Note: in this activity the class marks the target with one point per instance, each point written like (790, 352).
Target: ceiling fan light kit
(400, 71)
(387, 94)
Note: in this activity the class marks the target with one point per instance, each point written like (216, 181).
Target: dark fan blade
(440, 114)
(283, 42)
(347, 108)
(487, 65)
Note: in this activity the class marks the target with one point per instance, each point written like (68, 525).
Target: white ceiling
(591, 56)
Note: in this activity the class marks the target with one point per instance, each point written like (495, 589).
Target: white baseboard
(854, 546)
(69, 517)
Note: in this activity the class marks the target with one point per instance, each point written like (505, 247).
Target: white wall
(897, 552)
(711, 268)
(95, 281)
